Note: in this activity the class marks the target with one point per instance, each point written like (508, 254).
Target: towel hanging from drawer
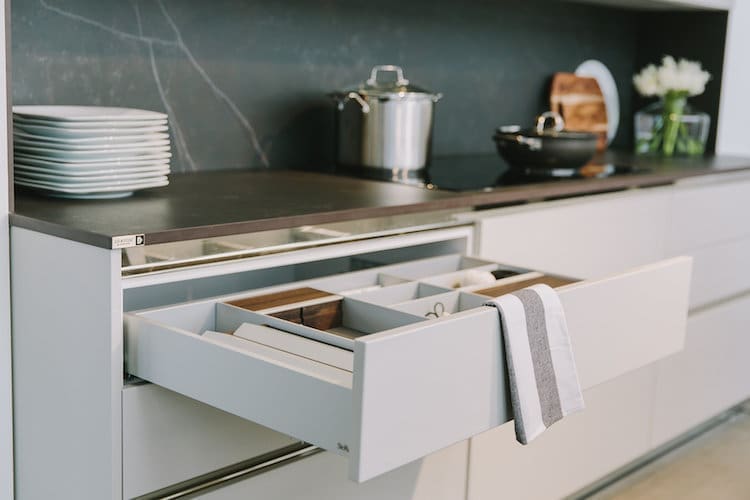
(543, 379)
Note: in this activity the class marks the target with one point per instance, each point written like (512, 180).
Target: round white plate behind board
(597, 70)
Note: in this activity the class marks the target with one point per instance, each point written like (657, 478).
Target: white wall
(734, 112)
(6, 413)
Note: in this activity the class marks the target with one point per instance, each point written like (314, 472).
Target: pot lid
(378, 84)
(541, 130)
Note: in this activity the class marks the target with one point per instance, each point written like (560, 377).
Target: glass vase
(671, 127)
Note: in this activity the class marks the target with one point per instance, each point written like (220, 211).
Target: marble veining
(178, 42)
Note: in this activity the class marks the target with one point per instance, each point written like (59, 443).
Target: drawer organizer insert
(389, 364)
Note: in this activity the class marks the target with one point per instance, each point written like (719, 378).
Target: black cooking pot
(545, 148)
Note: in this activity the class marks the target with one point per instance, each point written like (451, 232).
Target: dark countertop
(211, 204)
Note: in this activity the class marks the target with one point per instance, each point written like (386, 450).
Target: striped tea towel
(544, 383)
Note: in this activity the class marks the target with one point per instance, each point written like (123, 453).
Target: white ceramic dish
(101, 140)
(29, 175)
(86, 113)
(94, 188)
(89, 183)
(87, 132)
(73, 172)
(597, 70)
(47, 163)
(19, 120)
(153, 146)
(112, 192)
(130, 154)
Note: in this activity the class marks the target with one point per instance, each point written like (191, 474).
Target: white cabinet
(168, 438)
(709, 376)
(416, 385)
(612, 430)
(709, 222)
(590, 237)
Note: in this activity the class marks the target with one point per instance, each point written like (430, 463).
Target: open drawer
(390, 364)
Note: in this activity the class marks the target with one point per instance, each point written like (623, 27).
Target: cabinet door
(611, 431)
(709, 376)
(407, 370)
(585, 237)
(168, 438)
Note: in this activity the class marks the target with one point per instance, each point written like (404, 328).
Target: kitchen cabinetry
(702, 218)
(348, 413)
(589, 236)
(709, 376)
(612, 430)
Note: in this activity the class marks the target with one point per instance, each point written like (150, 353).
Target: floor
(715, 465)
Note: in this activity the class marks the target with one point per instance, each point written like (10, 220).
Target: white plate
(86, 172)
(31, 175)
(131, 154)
(99, 187)
(85, 194)
(86, 133)
(154, 146)
(88, 183)
(86, 113)
(104, 140)
(597, 70)
(47, 163)
(19, 120)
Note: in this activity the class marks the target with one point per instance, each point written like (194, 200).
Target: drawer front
(720, 271)
(415, 388)
(168, 438)
(709, 376)
(613, 430)
(586, 238)
(708, 214)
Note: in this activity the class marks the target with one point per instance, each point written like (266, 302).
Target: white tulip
(679, 76)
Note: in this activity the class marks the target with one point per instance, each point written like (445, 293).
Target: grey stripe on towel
(546, 382)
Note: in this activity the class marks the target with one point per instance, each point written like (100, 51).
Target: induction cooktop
(485, 171)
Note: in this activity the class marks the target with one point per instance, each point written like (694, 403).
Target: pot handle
(400, 80)
(352, 96)
(558, 123)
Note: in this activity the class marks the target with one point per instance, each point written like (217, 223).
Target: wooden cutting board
(581, 103)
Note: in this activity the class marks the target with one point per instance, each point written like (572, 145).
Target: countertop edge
(495, 197)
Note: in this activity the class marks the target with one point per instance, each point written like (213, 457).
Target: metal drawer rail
(233, 473)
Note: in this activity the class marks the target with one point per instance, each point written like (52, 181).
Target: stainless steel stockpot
(386, 123)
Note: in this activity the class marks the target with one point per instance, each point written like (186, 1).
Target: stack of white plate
(90, 151)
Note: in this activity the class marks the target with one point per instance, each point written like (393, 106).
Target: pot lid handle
(390, 68)
(558, 123)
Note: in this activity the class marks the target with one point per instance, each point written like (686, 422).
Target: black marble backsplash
(245, 81)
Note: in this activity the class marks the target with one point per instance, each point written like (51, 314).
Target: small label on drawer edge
(129, 240)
